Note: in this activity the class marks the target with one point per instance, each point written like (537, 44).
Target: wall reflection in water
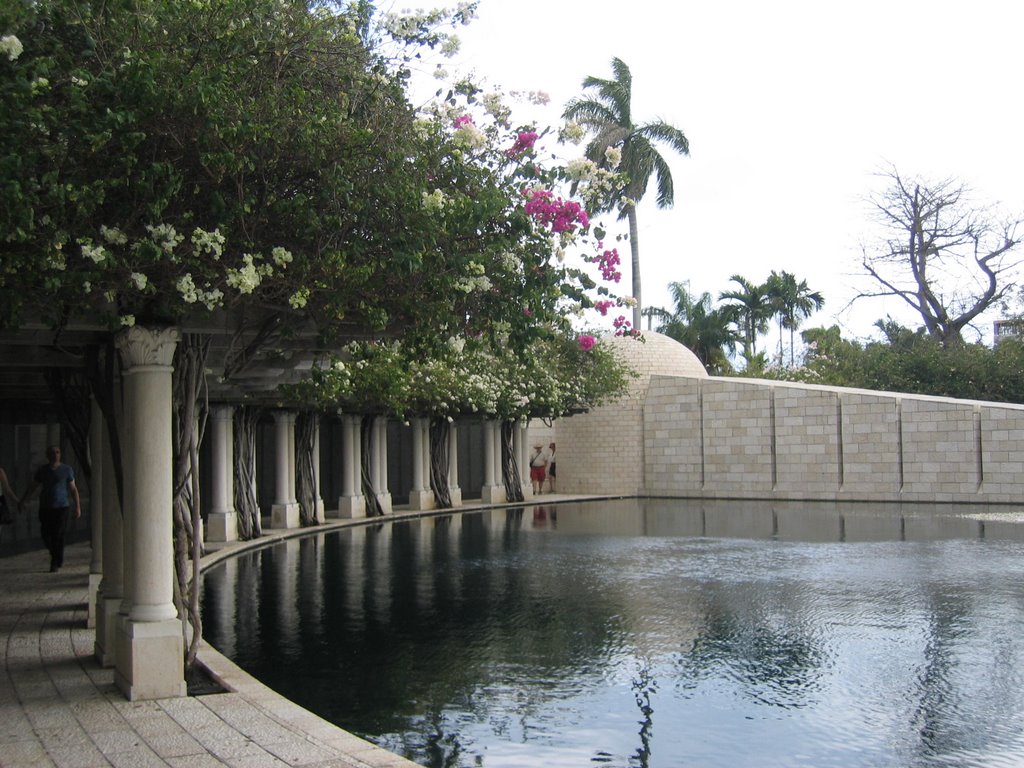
(648, 633)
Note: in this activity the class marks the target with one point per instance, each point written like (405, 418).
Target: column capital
(141, 346)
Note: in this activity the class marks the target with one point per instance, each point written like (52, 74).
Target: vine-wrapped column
(318, 500)
(97, 426)
(111, 591)
(149, 658)
(493, 491)
(379, 463)
(284, 513)
(351, 504)
(222, 521)
(420, 497)
(453, 465)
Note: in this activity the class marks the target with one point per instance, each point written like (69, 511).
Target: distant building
(1002, 329)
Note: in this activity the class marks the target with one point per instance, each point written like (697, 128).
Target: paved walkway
(59, 707)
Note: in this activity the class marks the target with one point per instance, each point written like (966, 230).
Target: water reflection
(647, 633)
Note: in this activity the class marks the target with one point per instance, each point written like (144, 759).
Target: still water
(646, 633)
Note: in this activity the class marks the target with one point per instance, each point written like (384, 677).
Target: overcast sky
(791, 107)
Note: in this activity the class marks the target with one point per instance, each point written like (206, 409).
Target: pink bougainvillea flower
(586, 341)
(561, 215)
(462, 120)
(524, 143)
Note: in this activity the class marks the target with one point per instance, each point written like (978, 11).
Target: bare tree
(946, 257)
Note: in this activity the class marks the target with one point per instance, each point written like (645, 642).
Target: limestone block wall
(807, 441)
(682, 433)
(739, 438)
(736, 421)
(1002, 453)
(870, 445)
(940, 449)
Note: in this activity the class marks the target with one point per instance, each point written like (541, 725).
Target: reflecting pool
(647, 633)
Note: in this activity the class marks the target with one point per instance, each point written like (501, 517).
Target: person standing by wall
(538, 469)
(551, 468)
(58, 489)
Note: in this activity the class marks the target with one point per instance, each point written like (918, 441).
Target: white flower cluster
(613, 156)
(581, 169)
(468, 285)
(282, 257)
(496, 108)
(165, 236)
(97, 253)
(113, 235)
(595, 183)
(248, 278)
(435, 201)
(191, 293)
(299, 299)
(11, 46)
(469, 136)
(571, 133)
(208, 242)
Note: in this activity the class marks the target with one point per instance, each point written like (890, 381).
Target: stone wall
(737, 438)
(696, 436)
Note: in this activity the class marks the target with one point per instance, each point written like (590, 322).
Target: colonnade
(138, 631)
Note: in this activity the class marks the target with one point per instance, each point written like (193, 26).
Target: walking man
(57, 482)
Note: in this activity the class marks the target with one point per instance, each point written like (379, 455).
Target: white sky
(791, 108)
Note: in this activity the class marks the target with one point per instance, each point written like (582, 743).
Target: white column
(222, 521)
(284, 513)
(351, 504)
(380, 463)
(523, 458)
(150, 650)
(97, 427)
(420, 496)
(111, 591)
(453, 465)
(493, 491)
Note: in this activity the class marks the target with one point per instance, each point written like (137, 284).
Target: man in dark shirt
(57, 482)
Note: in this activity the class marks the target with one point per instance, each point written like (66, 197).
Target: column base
(456, 494)
(150, 660)
(422, 500)
(222, 526)
(284, 516)
(108, 615)
(321, 513)
(94, 598)
(494, 494)
(384, 499)
(350, 507)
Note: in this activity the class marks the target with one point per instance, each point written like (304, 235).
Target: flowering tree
(254, 166)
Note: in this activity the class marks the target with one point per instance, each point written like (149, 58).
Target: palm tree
(609, 117)
(793, 302)
(705, 331)
(750, 311)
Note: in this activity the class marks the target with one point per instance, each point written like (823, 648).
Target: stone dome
(657, 355)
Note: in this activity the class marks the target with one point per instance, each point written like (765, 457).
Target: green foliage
(557, 378)
(165, 161)
(912, 362)
(705, 331)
